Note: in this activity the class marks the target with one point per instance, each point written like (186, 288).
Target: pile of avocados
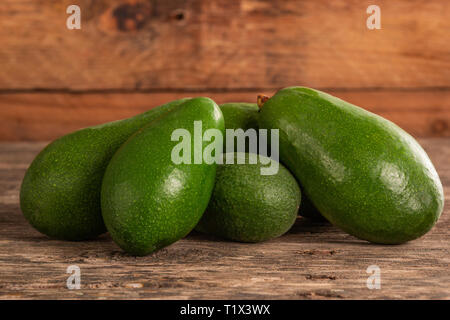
(337, 162)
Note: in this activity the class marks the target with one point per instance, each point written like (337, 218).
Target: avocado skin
(239, 115)
(363, 173)
(60, 193)
(148, 201)
(249, 207)
(242, 115)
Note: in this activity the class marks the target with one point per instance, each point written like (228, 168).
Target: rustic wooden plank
(45, 116)
(201, 44)
(312, 261)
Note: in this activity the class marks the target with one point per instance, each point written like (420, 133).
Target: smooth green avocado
(60, 193)
(149, 200)
(362, 172)
(249, 207)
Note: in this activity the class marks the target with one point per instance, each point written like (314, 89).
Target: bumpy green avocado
(60, 193)
(150, 198)
(240, 115)
(364, 174)
(249, 207)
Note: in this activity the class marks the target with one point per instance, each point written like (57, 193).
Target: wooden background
(130, 56)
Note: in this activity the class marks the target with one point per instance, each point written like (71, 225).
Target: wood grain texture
(312, 261)
(46, 116)
(201, 44)
(132, 55)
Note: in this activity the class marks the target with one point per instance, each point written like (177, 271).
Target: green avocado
(247, 206)
(240, 115)
(60, 193)
(362, 172)
(149, 197)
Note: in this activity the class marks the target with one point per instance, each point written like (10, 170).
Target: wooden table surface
(312, 261)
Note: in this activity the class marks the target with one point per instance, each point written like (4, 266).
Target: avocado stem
(262, 98)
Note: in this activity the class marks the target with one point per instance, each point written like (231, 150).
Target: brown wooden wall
(130, 56)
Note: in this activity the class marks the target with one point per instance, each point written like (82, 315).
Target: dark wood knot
(178, 15)
(131, 16)
(439, 127)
